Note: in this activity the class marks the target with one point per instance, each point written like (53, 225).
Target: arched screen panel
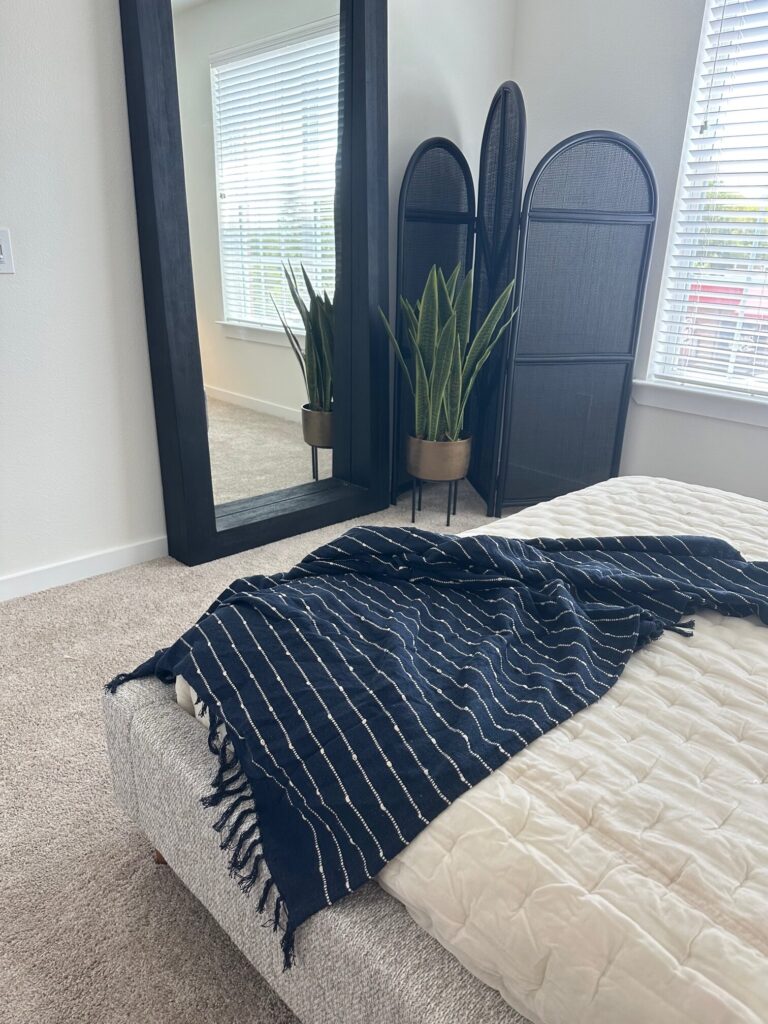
(587, 230)
(498, 221)
(435, 227)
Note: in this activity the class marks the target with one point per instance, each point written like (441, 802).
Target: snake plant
(316, 357)
(444, 360)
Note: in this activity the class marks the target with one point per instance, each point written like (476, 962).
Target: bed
(616, 870)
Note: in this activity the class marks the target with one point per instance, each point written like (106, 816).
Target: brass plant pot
(317, 427)
(438, 460)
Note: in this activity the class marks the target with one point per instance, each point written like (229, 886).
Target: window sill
(701, 402)
(261, 335)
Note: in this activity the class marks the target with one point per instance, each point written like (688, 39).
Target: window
(275, 126)
(712, 324)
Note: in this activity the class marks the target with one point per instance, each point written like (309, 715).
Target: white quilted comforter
(616, 871)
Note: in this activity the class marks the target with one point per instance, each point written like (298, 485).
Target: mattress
(616, 870)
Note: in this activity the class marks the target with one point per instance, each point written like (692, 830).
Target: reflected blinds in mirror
(275, 124)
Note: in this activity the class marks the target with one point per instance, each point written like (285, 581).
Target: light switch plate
(6, 252)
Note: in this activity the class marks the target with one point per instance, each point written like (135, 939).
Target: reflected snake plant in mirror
(316, 357)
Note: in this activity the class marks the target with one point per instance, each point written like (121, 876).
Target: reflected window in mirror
(275, 128)
(259, 105)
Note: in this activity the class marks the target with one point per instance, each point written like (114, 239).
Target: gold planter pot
(317, 427)
(438, 460)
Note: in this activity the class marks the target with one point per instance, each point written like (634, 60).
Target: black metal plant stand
(315, 466)
(417, 488)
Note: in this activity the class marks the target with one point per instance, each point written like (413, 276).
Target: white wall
(78, 455)
(628, 66)
(446, 60)
(257, 366)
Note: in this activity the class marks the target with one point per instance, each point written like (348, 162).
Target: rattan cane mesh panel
(428, 245)
(438, 183)
(580, 287)
(594, 175)
(501, 170)
(564, 423)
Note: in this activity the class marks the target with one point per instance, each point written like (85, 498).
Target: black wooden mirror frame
(197, 529)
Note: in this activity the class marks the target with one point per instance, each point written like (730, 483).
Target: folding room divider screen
(548, 413)
(498, 223)
(437, 226)
(585, 244)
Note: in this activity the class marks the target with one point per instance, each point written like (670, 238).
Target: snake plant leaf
(420, 394)
(294, 343)
(452, 280)
(412, 321)
(444, 362)
(471, 383)
(398, 351)
(464, 313)
(482, 339)
(316, 357)
(307, 283)
(426, 334)
(444, 300)
(441, 370)
(442, 425)
(326, 340)
(298, 302)
(481, 363)
(452, 400)
(313, 371)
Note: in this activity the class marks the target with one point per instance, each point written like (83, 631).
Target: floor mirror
(259, 141)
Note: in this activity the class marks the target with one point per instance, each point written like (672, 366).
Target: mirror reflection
(258, 96)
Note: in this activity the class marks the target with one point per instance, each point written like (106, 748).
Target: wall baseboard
(47, 576)
(283, 412)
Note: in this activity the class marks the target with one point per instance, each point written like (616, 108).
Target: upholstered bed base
(362, 961)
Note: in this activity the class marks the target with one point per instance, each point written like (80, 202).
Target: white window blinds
(712, 324)
(275, 126)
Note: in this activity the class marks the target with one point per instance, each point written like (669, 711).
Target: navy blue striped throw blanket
(355, 697)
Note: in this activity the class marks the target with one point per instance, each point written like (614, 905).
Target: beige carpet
(91, 930)
(252, 453)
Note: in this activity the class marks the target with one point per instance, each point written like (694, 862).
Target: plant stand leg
(413, 500)
(450, 502)
(455, 495)
(315, 473)
(421, 488)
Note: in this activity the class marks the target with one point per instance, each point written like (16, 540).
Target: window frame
(712, 399)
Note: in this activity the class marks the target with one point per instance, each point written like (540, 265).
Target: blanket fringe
(239, 827)
(113, 685)
(268, 886)
(236, 827)
(653, 628)
(238, 822)
(288, 944)
(683, 628)
(147, 668)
